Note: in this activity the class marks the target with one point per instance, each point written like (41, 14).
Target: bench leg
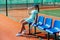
(29, 29)
(34, 30)
(55, 36)
(48, 36)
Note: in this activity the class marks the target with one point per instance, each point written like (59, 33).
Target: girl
(32, 19)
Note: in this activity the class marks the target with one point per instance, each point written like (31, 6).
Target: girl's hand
(32, 23)
(30, 8)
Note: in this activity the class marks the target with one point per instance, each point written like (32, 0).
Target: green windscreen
(26, 1)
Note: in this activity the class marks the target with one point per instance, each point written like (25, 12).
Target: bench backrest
(48, 22)
(40, 20)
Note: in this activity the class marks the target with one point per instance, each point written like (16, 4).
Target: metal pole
(6, 9)
(27, 3)
(42, 3)
(10, 3)
(54, 2)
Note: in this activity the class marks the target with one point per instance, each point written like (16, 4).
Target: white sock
(23, 31)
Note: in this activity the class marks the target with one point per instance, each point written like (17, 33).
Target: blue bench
(55, 29)
(47, 26)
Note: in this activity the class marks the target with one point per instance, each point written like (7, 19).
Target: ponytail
(37, 6)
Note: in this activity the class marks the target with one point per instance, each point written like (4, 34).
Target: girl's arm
(29, 11)
(36, 18)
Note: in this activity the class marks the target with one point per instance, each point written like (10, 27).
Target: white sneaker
(20, 34)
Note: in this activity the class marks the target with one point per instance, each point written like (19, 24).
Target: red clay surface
(9, 27)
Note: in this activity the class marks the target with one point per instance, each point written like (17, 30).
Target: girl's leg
(23, 27)
(22, 20)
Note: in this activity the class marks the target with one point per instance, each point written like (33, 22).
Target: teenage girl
(31, 19)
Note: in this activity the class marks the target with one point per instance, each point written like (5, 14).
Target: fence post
(6, 9)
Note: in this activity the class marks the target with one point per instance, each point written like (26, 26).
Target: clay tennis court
(10, 25)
